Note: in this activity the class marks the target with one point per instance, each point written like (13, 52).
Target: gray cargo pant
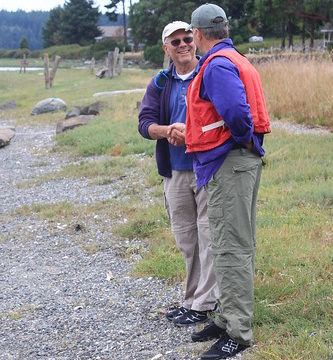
(187, 210)
(232, 196)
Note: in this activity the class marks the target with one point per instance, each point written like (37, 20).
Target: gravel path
(58, 300)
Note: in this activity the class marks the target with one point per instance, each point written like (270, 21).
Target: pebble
(58, 301)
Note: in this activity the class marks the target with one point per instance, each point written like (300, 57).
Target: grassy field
(294, 263)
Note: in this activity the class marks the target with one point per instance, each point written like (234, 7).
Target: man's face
(180, 47)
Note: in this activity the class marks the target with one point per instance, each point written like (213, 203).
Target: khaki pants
(187, 210)
(232, 196)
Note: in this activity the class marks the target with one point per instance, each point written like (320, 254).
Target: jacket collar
(223, 44)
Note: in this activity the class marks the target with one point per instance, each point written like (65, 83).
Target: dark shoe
(175, 312)
(191, 317)
(209, 332)
(223, 348)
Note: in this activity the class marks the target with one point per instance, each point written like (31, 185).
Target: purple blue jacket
(154, 109)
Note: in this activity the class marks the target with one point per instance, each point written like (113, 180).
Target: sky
(45, 5)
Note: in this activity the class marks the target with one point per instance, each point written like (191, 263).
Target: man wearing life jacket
(225, 126)
(164, 104)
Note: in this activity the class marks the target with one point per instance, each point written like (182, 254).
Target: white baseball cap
(172, 27)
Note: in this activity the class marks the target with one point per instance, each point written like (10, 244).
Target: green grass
(294, 262)
(48, 211)
(266, 44)
(108, 134)
(74, 86)
(99, 172)
(293, 285)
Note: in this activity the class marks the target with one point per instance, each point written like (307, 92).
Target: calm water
(4, 68)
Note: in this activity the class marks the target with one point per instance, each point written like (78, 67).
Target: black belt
(238, 146)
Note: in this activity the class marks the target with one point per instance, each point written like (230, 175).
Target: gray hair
(219, 31)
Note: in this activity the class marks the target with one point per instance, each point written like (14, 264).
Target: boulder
(73, 122)
(6, 135)
(11, 104)
(73, 112)
(101, 73)
(92, 109)
(48, 105)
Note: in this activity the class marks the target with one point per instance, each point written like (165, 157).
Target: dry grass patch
(299, 90)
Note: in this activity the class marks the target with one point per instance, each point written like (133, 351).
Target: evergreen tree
(243, 22)
(16, 24)
(51, 30)
(24, 43)
(113, 15)
(79, 22)
(148, 17)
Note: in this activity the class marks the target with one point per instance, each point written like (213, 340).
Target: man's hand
(176, 134)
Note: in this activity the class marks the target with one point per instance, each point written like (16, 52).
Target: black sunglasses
(176, 42)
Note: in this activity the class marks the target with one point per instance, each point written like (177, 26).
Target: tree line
(274, 18)
(14, 26)
(77, 21)
(38, 29)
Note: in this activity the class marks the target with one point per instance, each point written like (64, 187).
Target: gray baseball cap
(207, 16)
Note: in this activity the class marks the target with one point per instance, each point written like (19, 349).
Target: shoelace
(230, 346)
(219, 344)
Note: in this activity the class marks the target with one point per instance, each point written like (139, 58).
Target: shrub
(100, 49)
(237, 39)
(155, 54)
(330, 46)
(14, 54)
(72, 51)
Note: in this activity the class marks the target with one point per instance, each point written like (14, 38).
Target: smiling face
(181, 52)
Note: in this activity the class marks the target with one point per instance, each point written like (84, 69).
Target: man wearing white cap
(164, 104)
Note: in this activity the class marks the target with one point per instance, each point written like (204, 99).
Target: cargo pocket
(216, 224)
(245, 178)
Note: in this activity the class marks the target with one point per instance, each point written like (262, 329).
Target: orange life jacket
(205, 128)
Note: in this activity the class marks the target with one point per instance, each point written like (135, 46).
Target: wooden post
(110, 62)
(54, 69)
(92, 65)
(115, 61)
(47, 71)
(120, 63)
(166, 61)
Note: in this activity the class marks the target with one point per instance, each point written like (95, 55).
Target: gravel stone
(58, 300)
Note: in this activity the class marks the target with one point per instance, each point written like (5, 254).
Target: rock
(48, 105)
(73, 122)
(101, 73)
(93, 109)
(73, 112)
(11, 104)
(5, 136)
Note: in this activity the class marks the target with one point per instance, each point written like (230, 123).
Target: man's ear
(198, 34)
(165, 49)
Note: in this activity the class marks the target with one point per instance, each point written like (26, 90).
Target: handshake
(176, 134)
